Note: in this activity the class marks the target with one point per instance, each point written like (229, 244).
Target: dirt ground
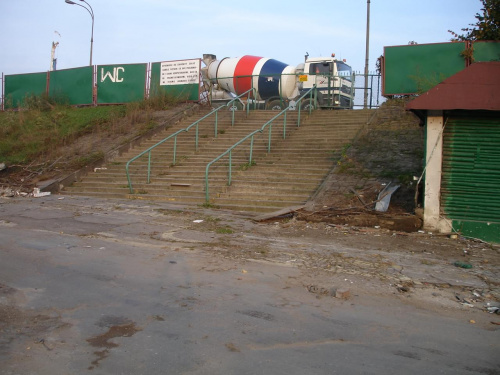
(387, 153)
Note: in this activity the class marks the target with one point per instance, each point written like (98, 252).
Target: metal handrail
(174, 135)
(251, 137)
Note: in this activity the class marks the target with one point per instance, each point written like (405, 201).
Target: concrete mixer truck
(279, 85)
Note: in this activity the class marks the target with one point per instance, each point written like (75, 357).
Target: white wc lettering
(113, 76)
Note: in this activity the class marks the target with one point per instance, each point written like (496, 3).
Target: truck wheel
(306, 104)
(275, 105)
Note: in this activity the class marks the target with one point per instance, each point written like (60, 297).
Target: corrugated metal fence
(470, 192)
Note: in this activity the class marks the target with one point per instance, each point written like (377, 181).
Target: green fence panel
(121, 83)
(73, 86)
(486, 51)
(417, 68)
(18, 86)
(169, 77)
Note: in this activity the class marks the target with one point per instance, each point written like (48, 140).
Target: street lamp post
(367, 53)
(91, 12)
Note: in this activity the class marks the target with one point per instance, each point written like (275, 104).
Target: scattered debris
(198, 221)
(462, 265)
(7, 192)
(342, 293)
(278, 214)
(358, 196)
(332, 292)
(384, 198)
(100, 169)
(493, 309)
(2, 166)
(37, 193)
(232, 347)
(320, 290)
(42, 341)
(402, 288)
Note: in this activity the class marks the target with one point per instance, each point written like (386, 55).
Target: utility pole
(367, 54)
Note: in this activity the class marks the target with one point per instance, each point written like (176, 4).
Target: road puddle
(102, 341)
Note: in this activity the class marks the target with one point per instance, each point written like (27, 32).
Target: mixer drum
(270, 77)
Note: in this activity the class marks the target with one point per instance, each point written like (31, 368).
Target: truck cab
(332, 77)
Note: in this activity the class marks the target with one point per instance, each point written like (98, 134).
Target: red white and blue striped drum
(270, 77)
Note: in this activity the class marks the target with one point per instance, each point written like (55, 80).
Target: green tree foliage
(487, 26)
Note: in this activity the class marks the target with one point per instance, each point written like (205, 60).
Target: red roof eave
(474, 88)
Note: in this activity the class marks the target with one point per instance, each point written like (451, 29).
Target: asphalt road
(95, 287)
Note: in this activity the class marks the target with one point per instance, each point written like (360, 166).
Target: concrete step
(287, 176)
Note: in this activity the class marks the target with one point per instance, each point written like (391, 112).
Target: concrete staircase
(287, 176)
(295, 168)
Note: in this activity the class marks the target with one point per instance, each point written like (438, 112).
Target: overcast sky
(141, 31)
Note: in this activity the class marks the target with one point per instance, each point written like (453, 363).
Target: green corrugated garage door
(470, 190)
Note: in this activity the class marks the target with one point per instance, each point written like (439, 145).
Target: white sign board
(180, 72)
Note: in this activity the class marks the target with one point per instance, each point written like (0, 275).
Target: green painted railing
(174, 136)
(312, 105)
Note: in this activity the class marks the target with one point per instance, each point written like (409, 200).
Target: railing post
(230, 164)
(216, 121)
(298, 117)
(310, 102)
(175, 149)
(129, 179)
(149, 167)
(207, 198)
(196, 138)
(251, 150)
(232, 116)
(269, 138)
(284, 125)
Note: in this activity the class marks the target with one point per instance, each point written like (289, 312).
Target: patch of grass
(29, 134)
(428, 262)
(224, 230)
(44, 124)
(209, 205)
(345, 147)
(406, 179)
(211, 219)
(244, 167)
(160, 100)
(166, 211)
